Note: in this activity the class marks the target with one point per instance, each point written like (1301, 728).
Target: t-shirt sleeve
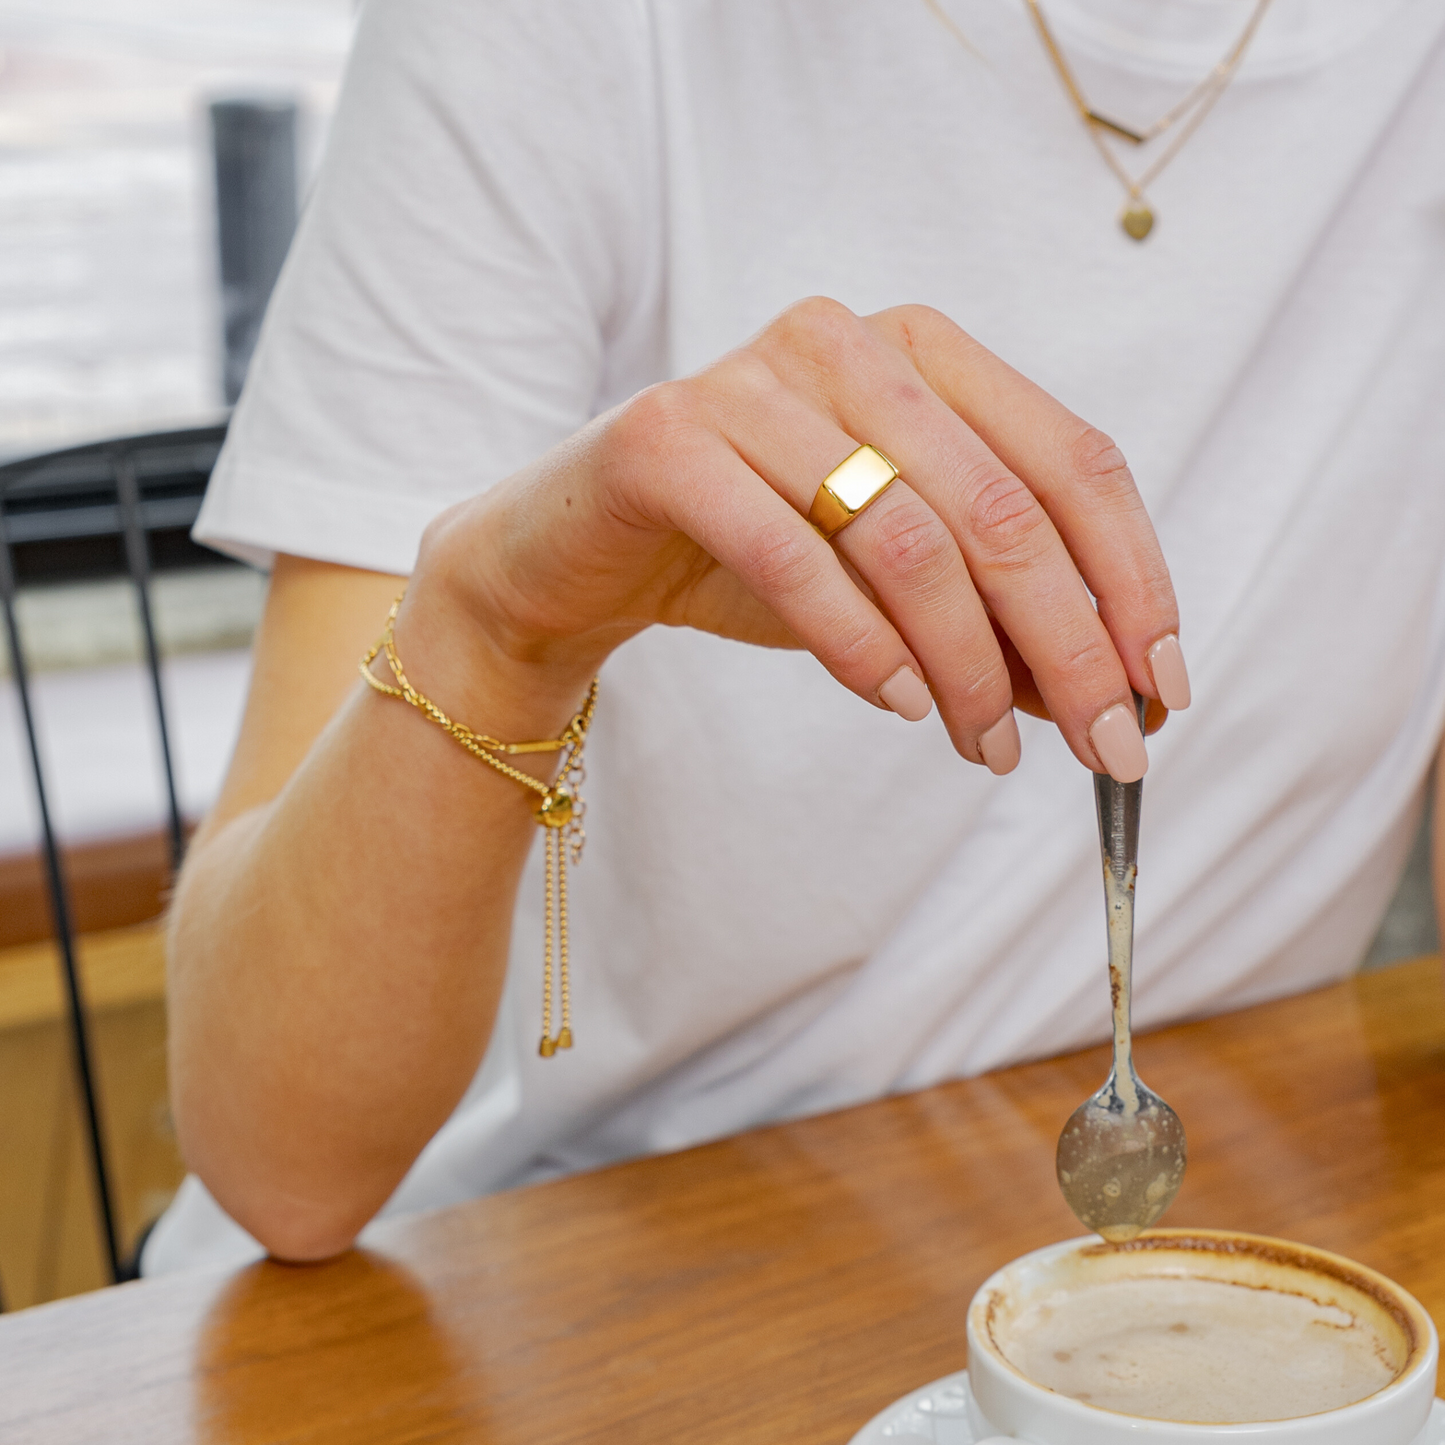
(482, 237)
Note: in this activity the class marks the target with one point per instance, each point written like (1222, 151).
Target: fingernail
(1119, 744)
(1000, 747)
(1171, 677)
(907, 694)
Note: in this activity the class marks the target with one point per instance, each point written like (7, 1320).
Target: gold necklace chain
(946, 20)
(1137, 217)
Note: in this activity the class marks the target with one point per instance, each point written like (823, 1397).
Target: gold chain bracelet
(559, 812)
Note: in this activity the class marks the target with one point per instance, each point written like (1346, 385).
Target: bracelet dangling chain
(559, 812)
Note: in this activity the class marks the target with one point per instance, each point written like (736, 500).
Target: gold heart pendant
(1137, 220)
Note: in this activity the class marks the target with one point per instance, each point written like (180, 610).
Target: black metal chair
(97, 510)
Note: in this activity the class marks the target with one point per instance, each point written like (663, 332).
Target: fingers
(912, 561)
(1027, 697)
(1079, 477)
(698, 485)
(900, 549)
(1015, 556)
(970, 571)
(1026, 693)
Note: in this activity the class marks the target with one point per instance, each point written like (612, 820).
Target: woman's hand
(972, 573)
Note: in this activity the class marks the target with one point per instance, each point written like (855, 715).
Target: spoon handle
(1118, 806)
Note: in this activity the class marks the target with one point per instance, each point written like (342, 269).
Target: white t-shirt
(792, 901)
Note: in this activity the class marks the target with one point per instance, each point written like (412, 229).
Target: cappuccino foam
(1195, 1350)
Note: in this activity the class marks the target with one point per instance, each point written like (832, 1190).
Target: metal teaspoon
(1121, 1156)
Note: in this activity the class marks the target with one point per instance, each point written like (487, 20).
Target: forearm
(337, 953)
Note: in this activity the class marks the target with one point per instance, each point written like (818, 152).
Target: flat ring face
(851, 486)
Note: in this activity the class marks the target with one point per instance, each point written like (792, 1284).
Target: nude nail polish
(1171, 677)
(1119, 743)
(1000, 747)
(907, 694)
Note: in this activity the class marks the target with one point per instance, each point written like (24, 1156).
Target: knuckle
(1006, 520)
(655, 420)
(990, 687)
(853, 653)
(821, 311)
(1099, 467)
(911, 544)
(984, 693)
(916, 322)
(917, 328)
(1082, 662)
(746, 377)
(916, 313)
(778, 558)
(818, 324)
(1103, 475)
(979, 694)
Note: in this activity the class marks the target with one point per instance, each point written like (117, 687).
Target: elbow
(295, 1217)
(291, 1227)
(294, 1240)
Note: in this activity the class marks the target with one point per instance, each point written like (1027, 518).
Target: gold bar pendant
(1094, 118)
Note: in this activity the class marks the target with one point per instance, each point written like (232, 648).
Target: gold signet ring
(850, 488)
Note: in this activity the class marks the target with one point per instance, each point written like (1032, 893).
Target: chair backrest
(98, 509)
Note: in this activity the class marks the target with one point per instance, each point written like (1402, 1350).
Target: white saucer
(938, 1415)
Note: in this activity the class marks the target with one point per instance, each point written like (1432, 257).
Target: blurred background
(153, 154)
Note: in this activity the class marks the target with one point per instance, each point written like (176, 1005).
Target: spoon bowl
(1119, 1167)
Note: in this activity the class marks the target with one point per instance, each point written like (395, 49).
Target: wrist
(472, 662)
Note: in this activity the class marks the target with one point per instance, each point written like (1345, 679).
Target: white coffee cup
(1005, 1405)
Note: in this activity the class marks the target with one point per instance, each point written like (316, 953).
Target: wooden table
(780, 1286)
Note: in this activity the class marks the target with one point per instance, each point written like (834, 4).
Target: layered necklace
(1184, 118)
(1137, 217)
